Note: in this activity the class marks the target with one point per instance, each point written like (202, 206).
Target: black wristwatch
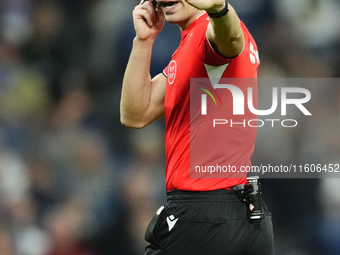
(221, 13)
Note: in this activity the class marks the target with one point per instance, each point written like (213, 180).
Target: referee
(203, 215)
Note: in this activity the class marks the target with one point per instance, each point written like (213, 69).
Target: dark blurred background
(74, 181)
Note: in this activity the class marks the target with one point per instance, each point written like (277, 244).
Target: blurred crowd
(74, 181)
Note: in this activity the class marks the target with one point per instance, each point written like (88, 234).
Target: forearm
(137, 84)
(226, 33)
(227, 27)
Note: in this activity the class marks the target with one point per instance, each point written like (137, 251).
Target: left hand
(207, 5)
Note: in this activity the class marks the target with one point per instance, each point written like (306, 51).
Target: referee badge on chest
(172, 72)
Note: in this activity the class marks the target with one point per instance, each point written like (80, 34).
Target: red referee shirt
(195, 58)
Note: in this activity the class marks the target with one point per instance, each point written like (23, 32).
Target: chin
(174, 18)
(171, 19)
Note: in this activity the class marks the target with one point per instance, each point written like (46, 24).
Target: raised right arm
(142, 99)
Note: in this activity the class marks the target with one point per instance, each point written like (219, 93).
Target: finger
(150, 8)
(160, 13)
(160, 17)
(143, 1)
(147, 3)
(145, 15)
